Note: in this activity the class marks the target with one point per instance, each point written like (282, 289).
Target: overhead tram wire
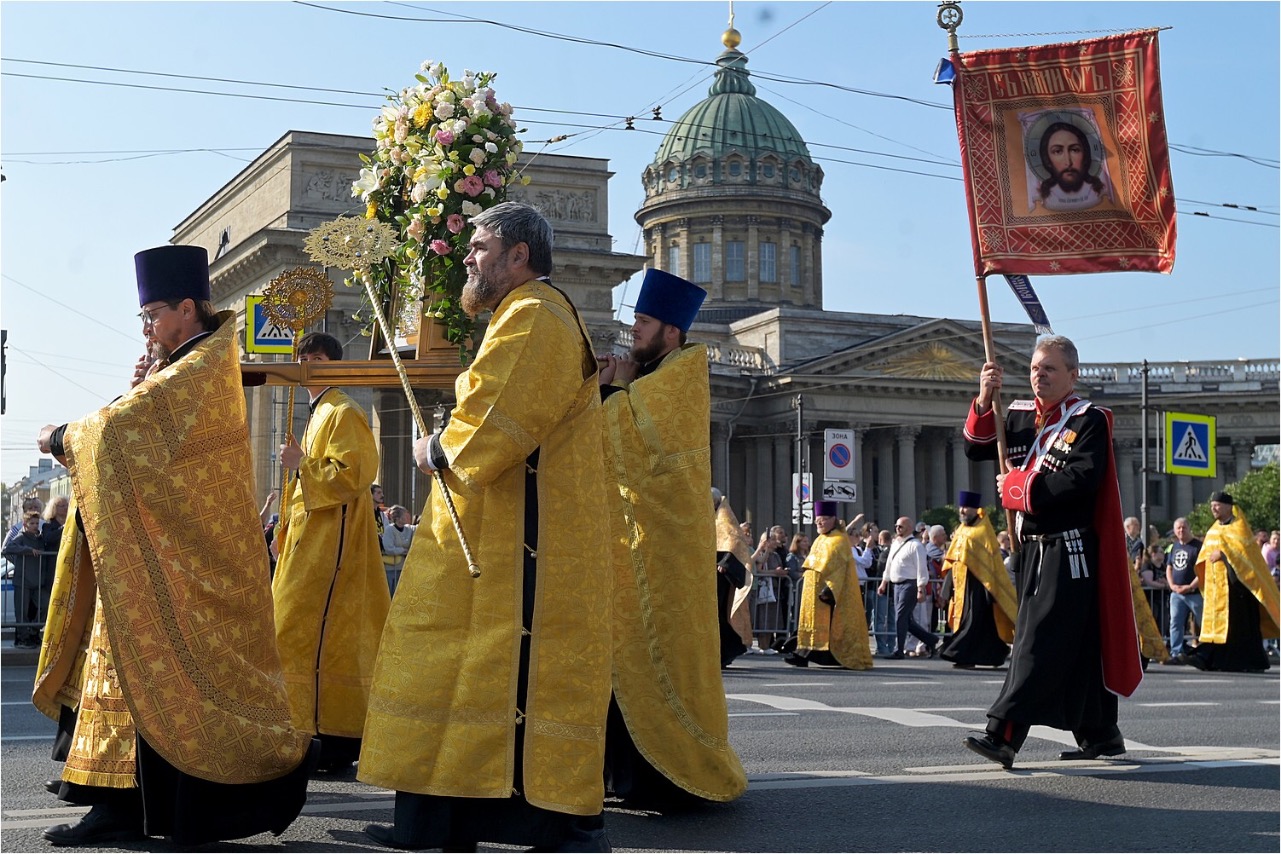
(585, 128)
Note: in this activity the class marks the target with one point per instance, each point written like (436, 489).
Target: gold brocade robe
(974, 554)
(667, 680)
(330, 588)
(181, 643)
(1151, 644)
(840, 628)
(443, 708)
(1236, 541)
(729, 538)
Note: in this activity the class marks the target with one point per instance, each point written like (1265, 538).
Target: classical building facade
(254, 228)
(732, 201)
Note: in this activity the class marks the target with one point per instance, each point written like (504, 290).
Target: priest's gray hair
(517, 222)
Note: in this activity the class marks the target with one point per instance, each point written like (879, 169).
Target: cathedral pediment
(938, 350)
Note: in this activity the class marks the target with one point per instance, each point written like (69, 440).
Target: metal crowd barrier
(27, 585)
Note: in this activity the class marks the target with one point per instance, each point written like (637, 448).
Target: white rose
(471, 208)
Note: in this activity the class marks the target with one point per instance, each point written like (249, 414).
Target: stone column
(720, 449)
(906, 439)
(936, 449)
(752, 251)
(807, 264)
(961, 470)
(1125, 461)
(887, 499)
(783, 468)
(751, 472)
(718, 257)
(1242, 454)
(862, 505)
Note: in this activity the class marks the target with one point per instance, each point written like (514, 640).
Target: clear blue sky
(95, 172)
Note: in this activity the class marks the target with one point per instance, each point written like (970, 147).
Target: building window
(795, 267)
(702, 262)
(674, 260)
(769, 268)
(735, 268)
(700, 171)
(768, 170)
(735, 169)
(672, 174)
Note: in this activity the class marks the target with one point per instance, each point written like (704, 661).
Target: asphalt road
(872, 761)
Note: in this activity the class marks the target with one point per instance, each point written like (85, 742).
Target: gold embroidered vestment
(181, 643)
(667, 680)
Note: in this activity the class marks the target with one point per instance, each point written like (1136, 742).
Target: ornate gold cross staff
(351, 243)
(295, 299)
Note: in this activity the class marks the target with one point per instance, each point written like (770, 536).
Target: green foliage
(947, 516)
(1255, 495)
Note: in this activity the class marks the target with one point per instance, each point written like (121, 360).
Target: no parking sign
(838, 458)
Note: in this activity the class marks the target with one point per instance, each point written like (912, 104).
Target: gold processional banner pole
(949, 18)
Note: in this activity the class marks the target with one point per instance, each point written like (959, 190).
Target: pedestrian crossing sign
(1189, 444)
(261, 335)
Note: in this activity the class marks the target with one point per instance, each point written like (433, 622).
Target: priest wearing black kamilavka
(160, 632)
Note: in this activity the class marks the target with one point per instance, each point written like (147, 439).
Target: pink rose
(416, 230)
(445, 137)
(440, 247)
(472, 185)
(455, 223)
(492, 178)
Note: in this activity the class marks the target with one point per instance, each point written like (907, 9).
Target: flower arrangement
(445, 150)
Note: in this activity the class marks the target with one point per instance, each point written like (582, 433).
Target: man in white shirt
(909, 574)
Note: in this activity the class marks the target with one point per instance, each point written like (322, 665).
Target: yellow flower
(433, 212)
(371, 211)
(469, 169)
(524, 180)
(420, 173)
(442, 192)
(422, 115)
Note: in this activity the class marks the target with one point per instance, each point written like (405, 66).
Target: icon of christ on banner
(1066, 161)
(1067, 168)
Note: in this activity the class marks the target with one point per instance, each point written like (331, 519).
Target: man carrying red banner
(1075, 642)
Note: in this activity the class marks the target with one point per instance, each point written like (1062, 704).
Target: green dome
(732, 118)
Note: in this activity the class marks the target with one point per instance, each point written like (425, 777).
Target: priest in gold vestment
(487, 712)
(330, 589)
(1240, 607)
(163, 632)
(668, 733)
(983, 606)
(831, 622)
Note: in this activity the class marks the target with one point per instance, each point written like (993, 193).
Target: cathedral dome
(732, 120)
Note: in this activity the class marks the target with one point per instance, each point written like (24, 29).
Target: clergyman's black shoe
(796, 661)
(987, 748)
(53, 787)
(100, 824)
(1111, 747)
(385, 835)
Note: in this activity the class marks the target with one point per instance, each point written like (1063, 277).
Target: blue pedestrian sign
(1189, 444)
(261, 335)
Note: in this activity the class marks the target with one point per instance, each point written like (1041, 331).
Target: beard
(158, 352)
(481, 293)
(644, 354)
(1070, 180)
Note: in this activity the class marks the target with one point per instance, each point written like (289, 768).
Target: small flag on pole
(1064, 152)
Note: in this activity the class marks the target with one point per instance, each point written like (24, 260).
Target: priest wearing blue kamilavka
(667, 739)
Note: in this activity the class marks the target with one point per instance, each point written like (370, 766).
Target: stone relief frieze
(328, 185)
(561, 205)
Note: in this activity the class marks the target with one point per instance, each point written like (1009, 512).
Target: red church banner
(1064, 152)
